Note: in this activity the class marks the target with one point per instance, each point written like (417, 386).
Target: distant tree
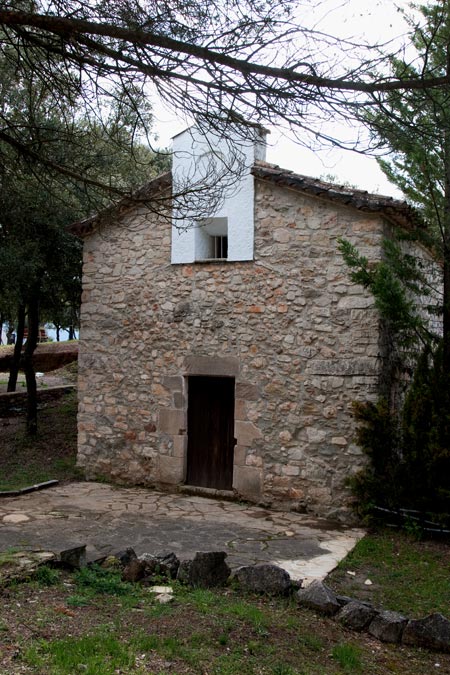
(40, 262)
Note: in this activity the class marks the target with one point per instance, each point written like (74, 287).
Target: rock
(15, 518)
(264, 578)
(432, 632)
(160, 590)
(209, 569)
(388, 626)
(73, 558)
(184, 571)
(162, 564)
(320, 597)
(164, 598)
(356, 615)
(343, 599)
(125, 556)
(134, 571)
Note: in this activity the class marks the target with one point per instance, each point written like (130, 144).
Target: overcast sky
(374, 20)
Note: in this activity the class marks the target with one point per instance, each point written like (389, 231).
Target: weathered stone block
(172, 470)
(247, 391)
(432, 632)
(171, 421)
(209, 569)
(246, 432)
(220, 366)
(74, 558)
(173, 382)
(356, 615)
(247, 481)
(388, 626)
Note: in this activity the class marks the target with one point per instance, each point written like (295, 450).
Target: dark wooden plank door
(210, 432)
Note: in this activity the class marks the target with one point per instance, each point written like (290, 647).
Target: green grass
(348, 656)
(95, 579)
(99, 633)
(407, 575)
(46, 576)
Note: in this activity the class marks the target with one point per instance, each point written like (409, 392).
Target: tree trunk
(57, 333)
(30, 375)
(14, 370)
(444, 422)
(71, 332)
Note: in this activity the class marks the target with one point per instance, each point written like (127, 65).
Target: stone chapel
(222, 343)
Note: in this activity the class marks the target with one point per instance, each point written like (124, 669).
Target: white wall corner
(211, 176)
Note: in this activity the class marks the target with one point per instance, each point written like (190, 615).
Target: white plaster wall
(211, 174)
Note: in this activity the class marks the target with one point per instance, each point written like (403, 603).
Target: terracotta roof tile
(397, 211)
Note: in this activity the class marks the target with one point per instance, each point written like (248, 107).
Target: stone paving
(108, 519)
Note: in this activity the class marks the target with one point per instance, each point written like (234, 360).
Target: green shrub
(409, 453)
(102, 581)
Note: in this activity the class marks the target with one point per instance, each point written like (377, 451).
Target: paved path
(108, 519)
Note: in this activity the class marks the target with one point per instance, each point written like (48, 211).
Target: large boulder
(264, 578)
(320, 597)
(432, 632)
(388, 626)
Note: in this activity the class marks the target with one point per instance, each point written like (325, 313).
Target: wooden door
(210, 432)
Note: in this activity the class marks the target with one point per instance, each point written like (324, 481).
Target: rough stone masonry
(300, 339)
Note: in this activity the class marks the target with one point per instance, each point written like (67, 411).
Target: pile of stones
(209, 569)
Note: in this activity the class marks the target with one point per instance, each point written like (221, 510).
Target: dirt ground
(55, 378)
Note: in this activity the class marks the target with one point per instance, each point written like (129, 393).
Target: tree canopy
(415, 129)
(222, 60)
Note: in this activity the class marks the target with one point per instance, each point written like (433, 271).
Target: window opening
(220, 246)
(211, 239)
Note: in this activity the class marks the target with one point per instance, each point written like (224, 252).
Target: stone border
(431, 632)
(30, 488)
(209, 569)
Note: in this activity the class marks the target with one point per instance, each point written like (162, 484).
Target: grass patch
(47, 576)
(96, 580)
(348, 656)
(91, 654)
(407, 575)
(78, 601)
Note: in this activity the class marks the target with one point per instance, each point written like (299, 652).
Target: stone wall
(300, 339)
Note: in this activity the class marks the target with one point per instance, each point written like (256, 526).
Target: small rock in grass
(209, 569)
(74, 558)
(320, 597)
(126, 556)
(134, 571)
